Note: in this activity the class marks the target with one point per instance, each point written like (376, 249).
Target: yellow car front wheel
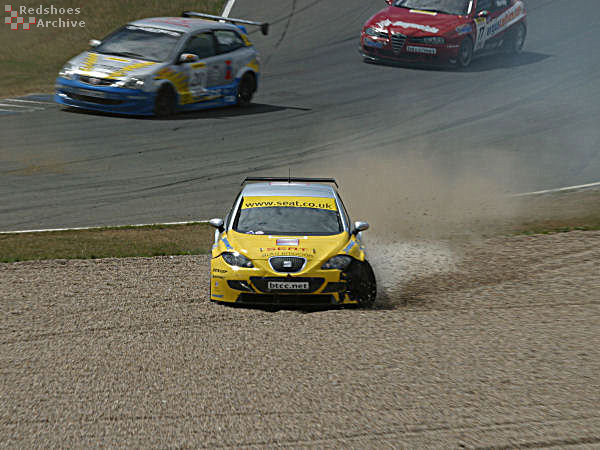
(362, 283)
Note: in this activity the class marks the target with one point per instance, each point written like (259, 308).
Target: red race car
(443, 31)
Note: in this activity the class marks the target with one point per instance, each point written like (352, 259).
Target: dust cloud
(422, 209)
(409, 197)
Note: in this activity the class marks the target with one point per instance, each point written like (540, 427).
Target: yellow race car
(289, 241)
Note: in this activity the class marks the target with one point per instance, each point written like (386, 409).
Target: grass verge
(556, 213)
(30, 59)
(117, 242)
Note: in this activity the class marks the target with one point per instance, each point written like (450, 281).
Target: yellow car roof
(284, 189)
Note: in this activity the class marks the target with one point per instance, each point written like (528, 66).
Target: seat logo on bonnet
(287, 241)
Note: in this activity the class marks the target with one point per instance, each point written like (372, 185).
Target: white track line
(228, 8)
(564, 189)
(101, 227)
(14, 106)
(25, 101)
(548, 191)
(22, 108)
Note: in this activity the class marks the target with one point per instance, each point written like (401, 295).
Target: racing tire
(245, 90)
(516, 40)
(164, 105)
(465, 53)
(363, 286)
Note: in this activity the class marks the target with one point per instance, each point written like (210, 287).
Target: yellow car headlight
(236, 259)
(339, 262)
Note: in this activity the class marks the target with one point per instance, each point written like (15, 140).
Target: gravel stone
(493, 343)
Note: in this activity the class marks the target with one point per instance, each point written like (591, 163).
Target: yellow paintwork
(254, 65)
(246, 40)
(259, 248)
(180, 81)
(420, 11)
(123, 71)
(89, 62)
(92, 58)
(292, 202)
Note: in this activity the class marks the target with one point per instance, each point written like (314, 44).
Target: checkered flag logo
(14, 20)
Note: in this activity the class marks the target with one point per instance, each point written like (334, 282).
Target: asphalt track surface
(489, 344)
(318, 106)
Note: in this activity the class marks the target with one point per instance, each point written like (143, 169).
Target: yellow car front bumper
(259, 285)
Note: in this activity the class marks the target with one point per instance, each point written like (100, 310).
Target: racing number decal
(197, 79)
(487, 27)
(480, 25)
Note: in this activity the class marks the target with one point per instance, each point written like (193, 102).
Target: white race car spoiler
(290, 179)
(264, 26)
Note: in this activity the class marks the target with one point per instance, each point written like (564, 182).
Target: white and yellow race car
(289, 241)
(161, 65)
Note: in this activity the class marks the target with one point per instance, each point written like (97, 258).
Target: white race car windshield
(147, 43)
(454, 7)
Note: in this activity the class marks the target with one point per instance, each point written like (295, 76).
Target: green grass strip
(115, 242)
(30, 63)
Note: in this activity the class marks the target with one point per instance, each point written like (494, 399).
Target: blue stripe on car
(227, 244)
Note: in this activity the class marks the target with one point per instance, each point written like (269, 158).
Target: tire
(245, 90)
(164, 105)
(516, 40)
(363, 286)
(465, 53)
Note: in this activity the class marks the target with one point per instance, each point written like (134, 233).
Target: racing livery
(443, 31)
(289, 241)
(162, 65)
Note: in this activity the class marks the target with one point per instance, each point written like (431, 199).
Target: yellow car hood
(262, 247)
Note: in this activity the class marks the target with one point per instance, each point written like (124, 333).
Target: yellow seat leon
(290, 241)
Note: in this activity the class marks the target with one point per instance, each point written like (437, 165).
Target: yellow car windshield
(288, 216)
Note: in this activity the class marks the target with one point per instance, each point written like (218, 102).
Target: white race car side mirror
(188, 58)
(217, 223)
(360, 226)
